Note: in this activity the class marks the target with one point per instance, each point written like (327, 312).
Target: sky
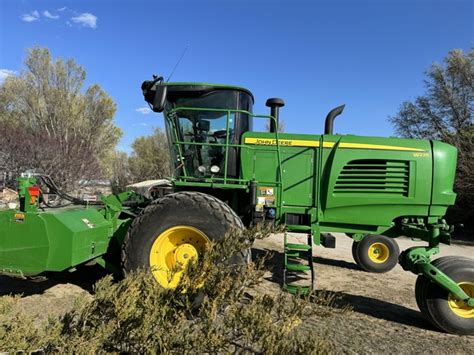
(368, 54)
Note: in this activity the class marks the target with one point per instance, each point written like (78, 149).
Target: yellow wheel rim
(378, 253)
(172, 250)
(460, 308)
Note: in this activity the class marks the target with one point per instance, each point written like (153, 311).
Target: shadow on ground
(84, 277)
(361, 304)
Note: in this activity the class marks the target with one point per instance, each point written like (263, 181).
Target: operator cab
(201, 119)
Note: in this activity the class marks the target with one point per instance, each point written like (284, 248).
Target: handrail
(227, 145)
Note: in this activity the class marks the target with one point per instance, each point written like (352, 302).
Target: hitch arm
(417, 260)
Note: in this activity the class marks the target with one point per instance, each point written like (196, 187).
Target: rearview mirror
(160, 97)
(154, 92)
(203, 125)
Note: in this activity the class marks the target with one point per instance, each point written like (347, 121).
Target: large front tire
(176, 229)
(441, 308)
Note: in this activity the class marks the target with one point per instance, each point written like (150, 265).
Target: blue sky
(368, 54)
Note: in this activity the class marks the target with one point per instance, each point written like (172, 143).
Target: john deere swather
(228, 176)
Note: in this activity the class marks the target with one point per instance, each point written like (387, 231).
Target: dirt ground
(385, 318)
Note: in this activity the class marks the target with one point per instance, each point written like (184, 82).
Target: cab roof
(203, 88)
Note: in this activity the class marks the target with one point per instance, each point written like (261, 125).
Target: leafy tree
(49, 124)
(150, 157)
(445, 113)
(120, 175)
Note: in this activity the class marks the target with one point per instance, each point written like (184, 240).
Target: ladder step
(297, 254)
(298, 267)
(297, 247)
(296, 227)
(302, 290)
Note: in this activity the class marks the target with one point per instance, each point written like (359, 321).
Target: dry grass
(137, 315)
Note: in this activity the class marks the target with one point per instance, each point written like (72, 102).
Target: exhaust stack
(274, 104)
(329, 123)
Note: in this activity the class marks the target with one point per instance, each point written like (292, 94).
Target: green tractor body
(226, 176)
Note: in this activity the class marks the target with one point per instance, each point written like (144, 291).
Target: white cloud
(62, 9)
(4, 73)
(86, 20)
(49, 15)
(32, 16)
(143, 110)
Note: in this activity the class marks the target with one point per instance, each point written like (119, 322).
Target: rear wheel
(439, 306)
(355, 245)
(175, 230)
(376, 253)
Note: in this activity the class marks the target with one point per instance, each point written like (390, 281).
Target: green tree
(48, 123)
(445, 113)
(150, 157)
(119, 171)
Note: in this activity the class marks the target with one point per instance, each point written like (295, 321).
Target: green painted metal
(33, 241)
(298, 262)
(357, 237)
(417, 260)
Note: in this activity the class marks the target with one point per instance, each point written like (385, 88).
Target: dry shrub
(137, 315)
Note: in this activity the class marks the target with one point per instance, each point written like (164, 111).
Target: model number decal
(421, 155)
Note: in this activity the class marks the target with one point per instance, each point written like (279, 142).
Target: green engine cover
(351, 183)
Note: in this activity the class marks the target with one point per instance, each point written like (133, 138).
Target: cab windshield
(203, 125)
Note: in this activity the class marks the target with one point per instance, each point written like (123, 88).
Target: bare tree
(51, 125)
(120, 175)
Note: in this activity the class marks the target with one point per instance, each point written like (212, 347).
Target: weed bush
(212, 311)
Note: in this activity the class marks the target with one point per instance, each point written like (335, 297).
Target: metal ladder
(298, 273)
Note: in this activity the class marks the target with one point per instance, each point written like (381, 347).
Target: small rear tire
(376, 253)
(355, 255)
(440, 307)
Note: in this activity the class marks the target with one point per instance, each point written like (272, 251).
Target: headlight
(202, 169)
(215, 169)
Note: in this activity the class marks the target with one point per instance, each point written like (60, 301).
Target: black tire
(433, 300)
(206, 213)
(355, 255)
(368, 263)
(420, 289)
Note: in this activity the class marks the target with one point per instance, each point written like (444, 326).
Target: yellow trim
(378, 253)
(283, 142)
(460, 308)
(171, 252)
(379, 147)
(310, 143)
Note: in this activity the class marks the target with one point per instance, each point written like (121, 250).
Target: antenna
(177, 63)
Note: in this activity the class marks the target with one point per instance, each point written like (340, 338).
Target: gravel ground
(385, 318)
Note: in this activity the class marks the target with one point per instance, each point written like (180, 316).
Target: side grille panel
(374, 177)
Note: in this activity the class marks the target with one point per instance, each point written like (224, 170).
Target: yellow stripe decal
(379, 147)
(309, 143)
(282, 142)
